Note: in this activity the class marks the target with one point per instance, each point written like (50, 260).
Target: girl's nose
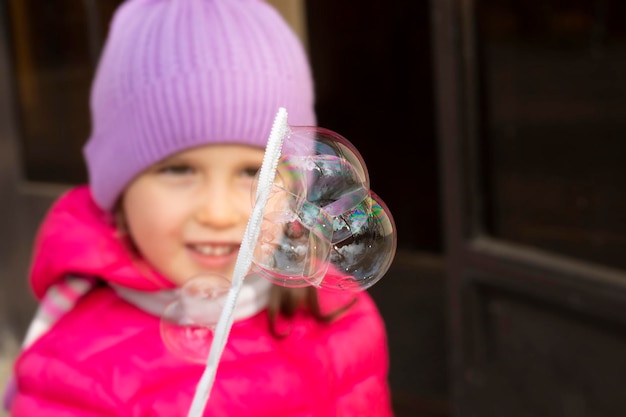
(219, 207)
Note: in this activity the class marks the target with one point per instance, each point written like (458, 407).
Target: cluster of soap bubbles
(322, 226)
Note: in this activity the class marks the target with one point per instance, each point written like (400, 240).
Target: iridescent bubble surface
(322, 225)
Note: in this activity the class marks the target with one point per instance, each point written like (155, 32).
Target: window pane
(554, 127)
(54, 46)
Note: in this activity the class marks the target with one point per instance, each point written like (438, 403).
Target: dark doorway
(373, 69)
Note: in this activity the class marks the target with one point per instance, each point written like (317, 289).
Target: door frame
(476, 261)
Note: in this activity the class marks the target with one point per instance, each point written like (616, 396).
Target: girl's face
(187, 214)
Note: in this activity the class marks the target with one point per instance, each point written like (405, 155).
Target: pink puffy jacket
(105, 356)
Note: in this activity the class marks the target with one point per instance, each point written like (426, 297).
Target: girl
(182, 103)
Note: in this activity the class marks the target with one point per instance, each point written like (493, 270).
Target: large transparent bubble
(322, 225)
(188, 322)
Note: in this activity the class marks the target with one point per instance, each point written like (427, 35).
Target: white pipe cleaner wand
(280, 129)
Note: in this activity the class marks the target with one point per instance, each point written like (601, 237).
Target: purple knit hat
(175, 74)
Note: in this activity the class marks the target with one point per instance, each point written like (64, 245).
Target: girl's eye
(176, 170)
(251, 171)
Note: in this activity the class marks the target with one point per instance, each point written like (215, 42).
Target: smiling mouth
(214, 250)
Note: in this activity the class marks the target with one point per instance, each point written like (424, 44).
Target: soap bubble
(322, 225)
(361, 258)
(188, 322)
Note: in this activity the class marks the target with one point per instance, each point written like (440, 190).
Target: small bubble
(188, 322)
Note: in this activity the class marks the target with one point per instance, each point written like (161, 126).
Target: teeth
(211, 250)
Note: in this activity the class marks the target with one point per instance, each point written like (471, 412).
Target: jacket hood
(77, 237)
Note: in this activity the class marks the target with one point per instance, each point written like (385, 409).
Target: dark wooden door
(532, 124)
